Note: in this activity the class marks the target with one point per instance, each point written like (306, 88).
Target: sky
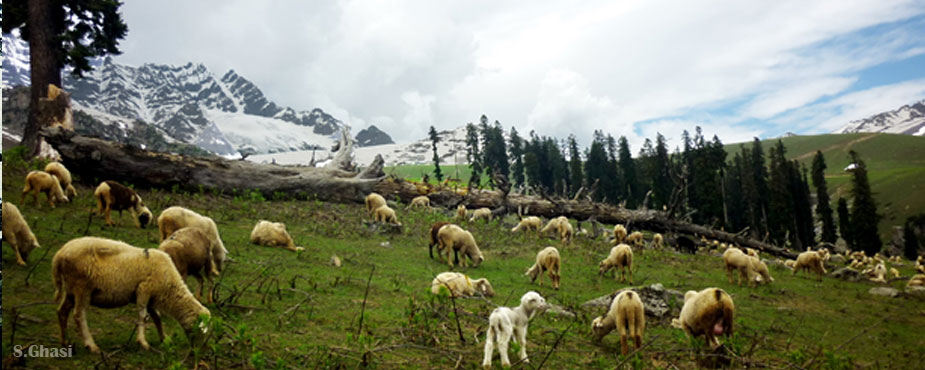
(738, 69)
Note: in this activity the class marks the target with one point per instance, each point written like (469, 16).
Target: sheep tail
(57, 281)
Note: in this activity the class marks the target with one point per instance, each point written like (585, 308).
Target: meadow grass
(280, 309)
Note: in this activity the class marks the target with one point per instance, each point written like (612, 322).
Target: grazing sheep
(17, 234)
(916, 280)
(386, 214)
(190, 250)
(64, 177)
(419, 202)
(760, 270)
(111, 195)
(657, 241)
(373, 201)
(635, 239)
(505, 323)
(461, 212)
(810, 261)
(561, 226)
(626, 315)
(459, 284)
(621, 257)
(790, 264)
(176, 218)
(920, 264)
(107, 273)
(483, 213)
(433, 237)
(273, 234)
(454, 238)
(41, 181)
(709, 312)
(619, 233)
(528, 223)
(894, 272)
(735, 259)
(547, 260)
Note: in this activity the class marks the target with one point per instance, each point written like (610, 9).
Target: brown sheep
(709, 312)
(620, 257)
(373, 201)
(454, 238)
(273, 234)
(176, 218)
(17, 234)
(41, 181)
(627, 315)
(190, 250)
(547, 260)
(111, 195)
(64, 177)
(810, 261)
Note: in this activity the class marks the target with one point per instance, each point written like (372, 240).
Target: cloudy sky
(737, 68)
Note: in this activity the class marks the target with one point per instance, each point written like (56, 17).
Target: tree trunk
(43, 65)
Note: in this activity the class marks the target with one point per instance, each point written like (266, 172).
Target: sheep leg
(522, 339)
(621, 328)
(157, 322)
(82, 302)
(629, 266)
(51, 200)
(729, 273)
(540, 275)
(64, 310)
(504, 339)
(141, 304)
(108, 210)
(134, 217)
(11, 240)
(489, 347)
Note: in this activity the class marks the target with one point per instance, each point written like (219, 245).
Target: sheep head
(601, 327)
(533, 303)
(484, 287)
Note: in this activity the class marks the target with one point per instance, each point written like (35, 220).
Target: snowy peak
(908, 119)
(15, 60)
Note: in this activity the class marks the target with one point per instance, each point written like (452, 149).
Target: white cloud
(564, 103)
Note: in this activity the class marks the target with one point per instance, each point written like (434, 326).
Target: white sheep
(386, 214)
(64, 177)
(421, 201)
(434, 229)
(709, 312)
(483, 213)
(454, 238)
(176, 218)
(560, 225)
(461, 212)
(528, 223)
(373, 201)
(621, 257)
(635, 239)
(547, 260)
(273, 234)
(760, 269)
(619, 233)
(878, 273)
(916, 280)
(657, 241)
(44, 182)
(107, 273)
(810, 261)
(459, 284)
(111, 195)
(735, 259)
(627, 315)
(17, 234)
(894, 272)
(505, 323)
(190, 250)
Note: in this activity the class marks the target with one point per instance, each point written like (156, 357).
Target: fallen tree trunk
(100, 160)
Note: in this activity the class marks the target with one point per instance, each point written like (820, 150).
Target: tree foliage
(434, 139)
(823, 208)
(864, 217)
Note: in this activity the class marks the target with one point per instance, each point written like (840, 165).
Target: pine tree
(911, 247)
(864, 217)
(801, 204)
(780, 208)
(662, 185)
(517, 155)
(473, 156)
(823, 209)
(844, 223)
(628, 173)
(759, 197)
(494, 150)
(574, 166)
(616, 186)
(533, 160)
(596, 167)
(434, 139)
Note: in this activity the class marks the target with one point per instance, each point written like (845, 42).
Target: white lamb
(528, 223)
(505, 323)
(459, 284)
(273, 234)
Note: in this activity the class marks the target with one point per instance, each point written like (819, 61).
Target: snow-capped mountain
(372, 135)
(15, 60)
(908, 119)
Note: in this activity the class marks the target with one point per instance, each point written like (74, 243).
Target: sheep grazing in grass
(373, 201)
(419, 202)
(657, 241)
(894, 272)
(17, 234)
(620, 257)
(459, 284)
(790, 264)
(454, 238)
(111, 195)
(176, 218)
(461, 212)
(748, 266)
(107, 273)
(386, 214)
(528, 223)
(760, 270)
(190, 250)
(433, 237)
(627, 315)
(916, 280)
(273, 234)
(483, 213)
(561, 226)
(506, 323)
(619, 233)
(44, 182)
(920, 264)
(547, 260)
(709, 312)
(810, 261)
(64, 177)
(635, 239)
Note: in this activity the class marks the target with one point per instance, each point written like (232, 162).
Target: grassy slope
(788, 321)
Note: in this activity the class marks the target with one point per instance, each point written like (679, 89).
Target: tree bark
(43, 66)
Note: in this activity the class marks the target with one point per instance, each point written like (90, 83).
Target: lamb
(483, 213)
(41, 181)
(459, 284)
(547, 260)
(461, 212)
(528, 223)
(626, 314)
(17, 234)
(561, 226)
(111, 195)
(176, 218)
(454, 238)
(189, 249)
(273, 234)
(621, 257)
(735, 259)
(810, 261)
(657, 241)
(635, 239)
(107, 273)
(505, 323)
(619, 233)
(433, 237)
(386, 214)
(373, 201)
(419, 202)
(64, 177)
(709, 312)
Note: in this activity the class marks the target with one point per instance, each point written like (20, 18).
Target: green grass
(414, 172)
(298, 311)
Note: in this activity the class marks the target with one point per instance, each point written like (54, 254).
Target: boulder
(848, 274)
(884, 291)
(656, 299)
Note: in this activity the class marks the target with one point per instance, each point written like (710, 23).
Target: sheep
(790, 264)
(635, 239)
(373, 201)
(760, 270)
(810, 261)
(619, 233)
(419, 202)
(528, 223)
(189, 249)
(505, 323)
(461, 212)
(920, 264)
(709, 312)
(454, 238)
(621, 257)
(17, 234)
(273, 234)
(480, 214)
(916, 280)
(561, 226)
(626, 314)
(735, 259)
(41, 181)
(433, 237)
(107, 273)
(657, 241)
(878, 273)
(64, 177)
(459, 284)
(176, 218)
(547, 260)
(111, 195)
(386, 214)
(894, 272)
